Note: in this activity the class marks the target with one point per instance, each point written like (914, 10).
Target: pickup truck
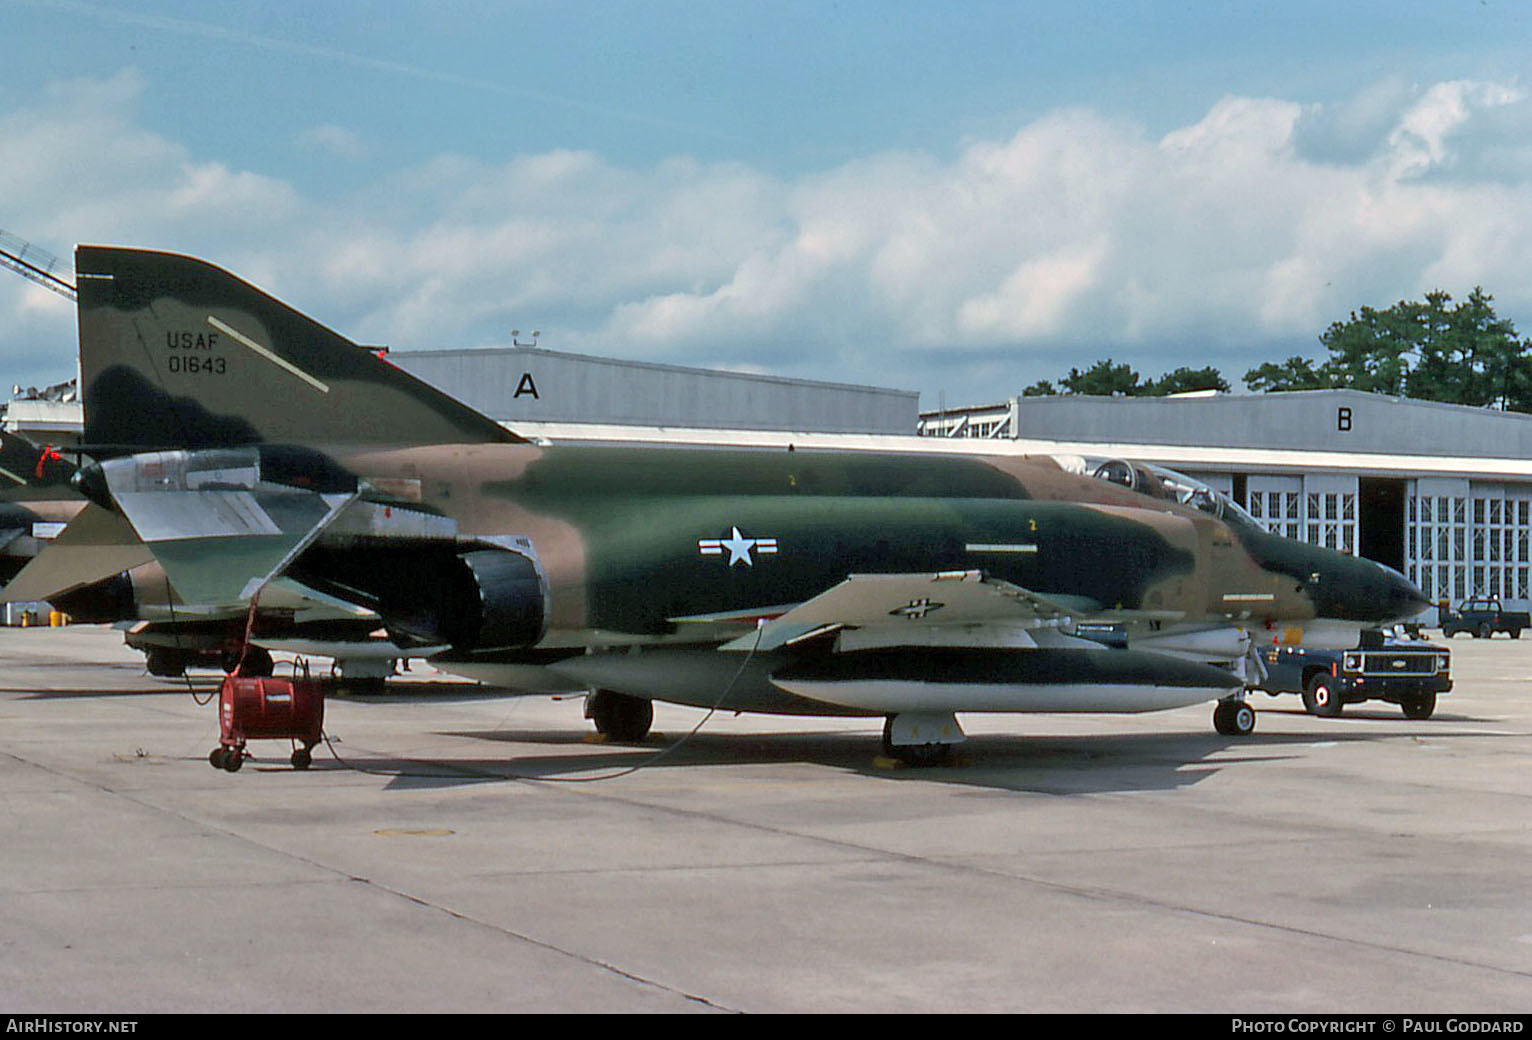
(1384, 666)
(1483, 617)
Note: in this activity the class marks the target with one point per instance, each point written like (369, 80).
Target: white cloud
(334, 140)
(1077, 236)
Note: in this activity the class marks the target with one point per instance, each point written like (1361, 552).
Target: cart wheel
(233, 758)
(215, 757)
(301, 758)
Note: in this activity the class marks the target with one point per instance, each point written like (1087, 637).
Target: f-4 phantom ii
(35, 494)
(242, 442)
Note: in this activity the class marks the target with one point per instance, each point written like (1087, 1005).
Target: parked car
(1482, 617)
(1385, 666)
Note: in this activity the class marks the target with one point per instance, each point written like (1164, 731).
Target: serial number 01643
(191, 363)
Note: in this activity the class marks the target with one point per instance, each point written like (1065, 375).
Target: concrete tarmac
(475, 852)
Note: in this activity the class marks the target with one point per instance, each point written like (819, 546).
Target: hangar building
(532, 385)
(1441, 492)
(528, 386)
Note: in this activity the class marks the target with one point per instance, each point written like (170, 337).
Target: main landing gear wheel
(167, 664)
(258, 661)
(619, 717)
(1421, 707)
(1234, 718)
(1322, 697)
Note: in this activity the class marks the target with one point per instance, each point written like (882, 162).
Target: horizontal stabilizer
(244, 539)
(96, 545)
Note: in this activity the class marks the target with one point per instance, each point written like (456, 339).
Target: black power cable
(628, 771)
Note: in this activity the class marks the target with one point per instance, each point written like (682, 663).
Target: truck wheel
(1321, 697)
(1514, 633)
(1420, 707)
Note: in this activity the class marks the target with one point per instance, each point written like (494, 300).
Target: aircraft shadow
(204, 685)
(1021, 763)
(1380, 712)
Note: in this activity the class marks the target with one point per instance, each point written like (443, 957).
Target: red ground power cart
(266, 707)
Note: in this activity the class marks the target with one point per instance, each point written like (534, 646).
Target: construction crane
(36, 264)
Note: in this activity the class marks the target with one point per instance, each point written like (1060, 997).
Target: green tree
(1429, 349)
(1371, 351)
(1103, 379)
(1296, 373)
(1470, 355)
(1185, 380)
(1110, 379)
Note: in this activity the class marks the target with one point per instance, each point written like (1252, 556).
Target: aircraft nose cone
(1403, 598)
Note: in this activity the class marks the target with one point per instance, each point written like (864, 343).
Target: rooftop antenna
(518, 343)
(34, 264)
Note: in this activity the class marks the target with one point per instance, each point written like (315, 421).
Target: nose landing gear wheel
(1234, 718)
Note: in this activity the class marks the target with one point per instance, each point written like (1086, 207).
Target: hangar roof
(1347, 421)
(537, 385)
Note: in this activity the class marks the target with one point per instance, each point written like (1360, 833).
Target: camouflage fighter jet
(241, 441)
(36, 500)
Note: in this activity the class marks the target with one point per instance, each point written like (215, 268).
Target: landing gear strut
(921, 738)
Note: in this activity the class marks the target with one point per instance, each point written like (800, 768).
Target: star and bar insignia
(738, 546)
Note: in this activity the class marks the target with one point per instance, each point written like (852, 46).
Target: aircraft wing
(895, 601)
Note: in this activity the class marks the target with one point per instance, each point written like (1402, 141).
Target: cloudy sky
(958, 197)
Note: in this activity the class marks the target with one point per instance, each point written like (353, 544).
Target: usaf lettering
(191, 340)
(193, 363)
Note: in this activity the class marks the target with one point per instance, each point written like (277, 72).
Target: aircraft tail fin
(177, 353)
(26, 464)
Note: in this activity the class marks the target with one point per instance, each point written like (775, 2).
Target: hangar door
(1380, 520)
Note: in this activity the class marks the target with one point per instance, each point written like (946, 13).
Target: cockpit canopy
(1158, 482)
